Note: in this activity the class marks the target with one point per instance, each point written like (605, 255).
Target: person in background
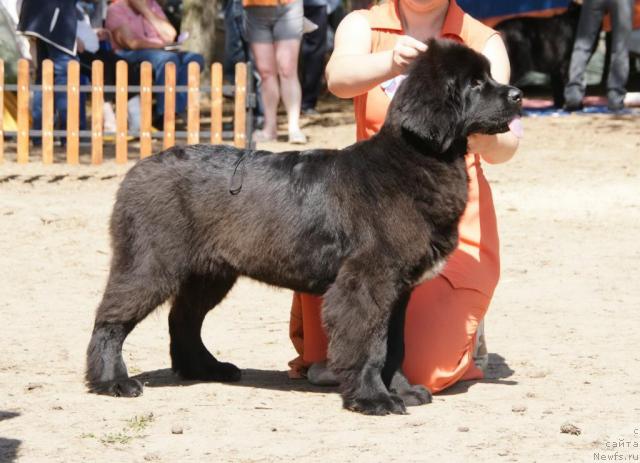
(11, 8)
(314, 49)
(274, 30)
(53, 25)
(140, 32)
(96, 10)
(591, 15)
(236, 50)
(373, 48)
(94, 43)
(336, 12)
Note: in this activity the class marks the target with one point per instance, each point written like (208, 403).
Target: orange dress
(443, 313)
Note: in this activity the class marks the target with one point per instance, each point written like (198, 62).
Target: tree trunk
(199, 19)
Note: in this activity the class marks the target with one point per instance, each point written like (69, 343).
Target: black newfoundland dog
(542, 45)
(361, 226)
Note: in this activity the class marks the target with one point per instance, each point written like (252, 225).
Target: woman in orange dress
(372, 48)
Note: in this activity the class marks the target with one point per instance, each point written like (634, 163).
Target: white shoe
(319, 375)
(133, 112)
(296, 137)
(108, 118)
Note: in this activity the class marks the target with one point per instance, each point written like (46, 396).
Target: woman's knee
(287, 68)
(440, 327)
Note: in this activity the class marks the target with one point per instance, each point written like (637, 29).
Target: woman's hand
(495, 149)
(103, 34)
(500, 147)
(405, 51)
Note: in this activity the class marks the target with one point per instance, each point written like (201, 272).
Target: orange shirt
(475, 263)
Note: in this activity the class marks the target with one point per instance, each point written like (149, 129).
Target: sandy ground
(562, 329)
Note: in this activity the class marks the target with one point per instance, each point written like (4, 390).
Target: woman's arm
(353, 70)
(127, 40)
(159, 23)
(501, 147)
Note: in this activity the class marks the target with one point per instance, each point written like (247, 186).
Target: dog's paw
(211, 371)
(128, 387)
(379, 405)
(416, 395)
(411, 394)
(225, 372)
(125, 387)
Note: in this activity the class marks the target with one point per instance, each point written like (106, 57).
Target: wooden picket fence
(242, 93)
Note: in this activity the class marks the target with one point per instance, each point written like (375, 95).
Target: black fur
(542, 45)
(358, 225)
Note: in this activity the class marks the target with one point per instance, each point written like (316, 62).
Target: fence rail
(241, 92)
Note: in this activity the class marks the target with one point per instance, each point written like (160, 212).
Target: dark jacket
(53, 21)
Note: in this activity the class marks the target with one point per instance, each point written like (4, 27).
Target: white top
(86, 33)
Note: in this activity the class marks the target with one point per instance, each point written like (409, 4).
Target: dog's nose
(515, 95)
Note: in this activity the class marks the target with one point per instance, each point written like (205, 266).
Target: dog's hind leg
(356, 313)
(189, 356)
(392, 375)
(128, 299)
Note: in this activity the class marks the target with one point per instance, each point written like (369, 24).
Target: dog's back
(299, 199)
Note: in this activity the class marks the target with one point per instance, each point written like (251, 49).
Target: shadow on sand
(497, 371)
(8, 447)
(261, 379)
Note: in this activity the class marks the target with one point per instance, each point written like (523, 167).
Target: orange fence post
(47, 111)
(121, 111)
(1, 111)
(73, 112)
(23, 111)
(97, 106)
(146, 97)
(216, 103)
(169, 106)
(239, 120)
(193, 103)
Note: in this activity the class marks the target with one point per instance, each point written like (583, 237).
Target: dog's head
(449, 94)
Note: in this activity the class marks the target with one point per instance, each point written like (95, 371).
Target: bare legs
(277, 65)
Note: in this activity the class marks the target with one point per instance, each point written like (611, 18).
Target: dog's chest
(431, 272)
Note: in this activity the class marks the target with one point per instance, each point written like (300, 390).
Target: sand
(562, 329)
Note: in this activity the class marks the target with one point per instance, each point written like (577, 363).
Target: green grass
(132, 430)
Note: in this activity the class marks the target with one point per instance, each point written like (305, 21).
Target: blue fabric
(316, 3)
(555, 112)
(236, 47)
(60, 62)
(483, 9)
(54, 21)
(158, 58)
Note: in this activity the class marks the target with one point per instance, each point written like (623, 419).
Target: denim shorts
(268, 24)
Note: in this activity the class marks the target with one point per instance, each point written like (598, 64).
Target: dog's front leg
(356, 313)
(392, 375)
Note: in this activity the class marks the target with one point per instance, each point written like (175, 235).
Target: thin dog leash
(239, 163)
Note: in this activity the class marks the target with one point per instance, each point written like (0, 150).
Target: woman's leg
(265, 57)
(287, 61)
(440, 332)
(309, 340)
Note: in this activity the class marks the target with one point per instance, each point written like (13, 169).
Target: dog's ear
(428, 104)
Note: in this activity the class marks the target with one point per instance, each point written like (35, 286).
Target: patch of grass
(132, 430)
(116, 438)
(139, 423)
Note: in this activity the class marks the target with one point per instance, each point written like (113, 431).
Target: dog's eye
(476, 83)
